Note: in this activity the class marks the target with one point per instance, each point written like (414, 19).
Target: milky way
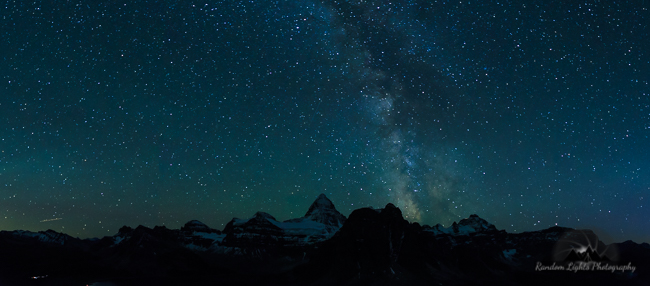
(528, 114)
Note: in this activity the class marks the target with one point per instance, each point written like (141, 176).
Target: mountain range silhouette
(370, 247)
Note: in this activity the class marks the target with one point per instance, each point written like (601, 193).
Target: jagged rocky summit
(370, 247)
(472, 225)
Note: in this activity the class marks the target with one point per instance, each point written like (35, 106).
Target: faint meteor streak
(51, 219)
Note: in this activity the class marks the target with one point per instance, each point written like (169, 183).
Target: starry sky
(528, 113)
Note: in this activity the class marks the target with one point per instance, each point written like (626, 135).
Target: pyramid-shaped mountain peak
(263, 215)
(323, 210)
(322, 202)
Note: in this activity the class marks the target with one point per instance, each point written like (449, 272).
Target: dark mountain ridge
(370, 247)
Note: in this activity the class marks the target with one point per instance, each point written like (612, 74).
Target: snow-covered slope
(320, 222)
(48, 236)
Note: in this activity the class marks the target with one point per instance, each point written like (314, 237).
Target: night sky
(528, 113)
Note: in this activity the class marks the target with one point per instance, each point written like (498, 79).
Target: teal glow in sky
(528, 113)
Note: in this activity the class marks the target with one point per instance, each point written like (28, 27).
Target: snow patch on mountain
(118, 239)
(49, 236)
(509, 253)
(217, 237)
(303, 227)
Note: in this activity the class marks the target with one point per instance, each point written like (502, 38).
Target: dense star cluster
(528, 113)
